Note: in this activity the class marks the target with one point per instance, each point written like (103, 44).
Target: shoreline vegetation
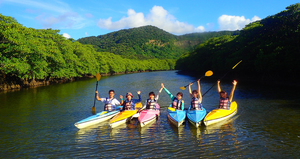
(17, 85)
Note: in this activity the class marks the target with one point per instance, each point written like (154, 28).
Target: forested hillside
(28, 55)
(268, 48)
(149, 42)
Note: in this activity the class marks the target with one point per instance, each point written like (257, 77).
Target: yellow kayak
(218, 115)
(123, 116)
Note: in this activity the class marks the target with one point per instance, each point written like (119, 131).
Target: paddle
(207, 74)
(137, 106)
(98, 76)
(222, 77)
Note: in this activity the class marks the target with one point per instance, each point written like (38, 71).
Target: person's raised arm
(140, 99)
(232, 91)
(97, 95)
(199, 90)
(168, 92)
(161, 88)
(219, 88)
(190, 91)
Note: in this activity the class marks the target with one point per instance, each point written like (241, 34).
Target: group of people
(177, 101)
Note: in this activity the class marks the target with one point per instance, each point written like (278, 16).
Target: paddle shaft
(222, 77)
(215, 84)
(194, 81)
(95, 94)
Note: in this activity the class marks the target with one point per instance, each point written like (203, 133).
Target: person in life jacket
(225, 101)
(151, 102)
(196, 97)
(109, 103)
(129, 103)
(177, 102)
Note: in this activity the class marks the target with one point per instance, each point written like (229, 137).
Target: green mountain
(149, 42)
(269, 48)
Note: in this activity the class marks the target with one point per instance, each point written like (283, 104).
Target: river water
(39, 122)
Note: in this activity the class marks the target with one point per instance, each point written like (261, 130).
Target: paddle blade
(138, 105)
(209, 73)
(94, 109)
(98, 76)
(104, 112)
(236, 64)
(171, 109)
(182, 88)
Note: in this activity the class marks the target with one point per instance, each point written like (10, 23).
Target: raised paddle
(207, 74)
(222, 77)
(98, 76)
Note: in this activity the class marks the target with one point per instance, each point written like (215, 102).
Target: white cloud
(158, 17)
(67, 36)
(86, 34)
(228, 22)
(68, 20)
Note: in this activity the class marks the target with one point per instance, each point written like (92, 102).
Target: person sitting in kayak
(225, 101)
(151, 102)
(177, 102)
(109, 103)
(196, 97)
(129, 103)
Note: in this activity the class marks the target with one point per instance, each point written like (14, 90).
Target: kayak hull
(95, 119)
(147, 116)
(121, 118)
(176, 117)
(218, 115)
(195, 117)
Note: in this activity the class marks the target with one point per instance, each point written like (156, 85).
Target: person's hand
(198, 80)
(162, 85)
(138, 92)
(190, 84)
(121, 96)
(96, 92)
(234, 82)
(218, 81)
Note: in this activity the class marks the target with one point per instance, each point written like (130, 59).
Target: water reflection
(223, 126)
(148, 128)
(179, 131)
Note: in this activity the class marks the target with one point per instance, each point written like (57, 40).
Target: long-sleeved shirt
(133, 101)
(173, 97)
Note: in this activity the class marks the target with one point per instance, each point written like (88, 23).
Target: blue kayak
(195, 116)
(176, 117)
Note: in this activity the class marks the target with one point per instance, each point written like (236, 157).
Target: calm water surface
(39, 122)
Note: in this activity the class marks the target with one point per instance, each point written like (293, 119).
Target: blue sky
(82, 18)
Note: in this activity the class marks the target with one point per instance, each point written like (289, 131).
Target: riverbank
(14, 84)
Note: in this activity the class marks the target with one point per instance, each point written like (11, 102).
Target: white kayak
(97, 118)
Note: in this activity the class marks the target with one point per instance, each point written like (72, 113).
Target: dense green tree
(267, 47)
(28, 54)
